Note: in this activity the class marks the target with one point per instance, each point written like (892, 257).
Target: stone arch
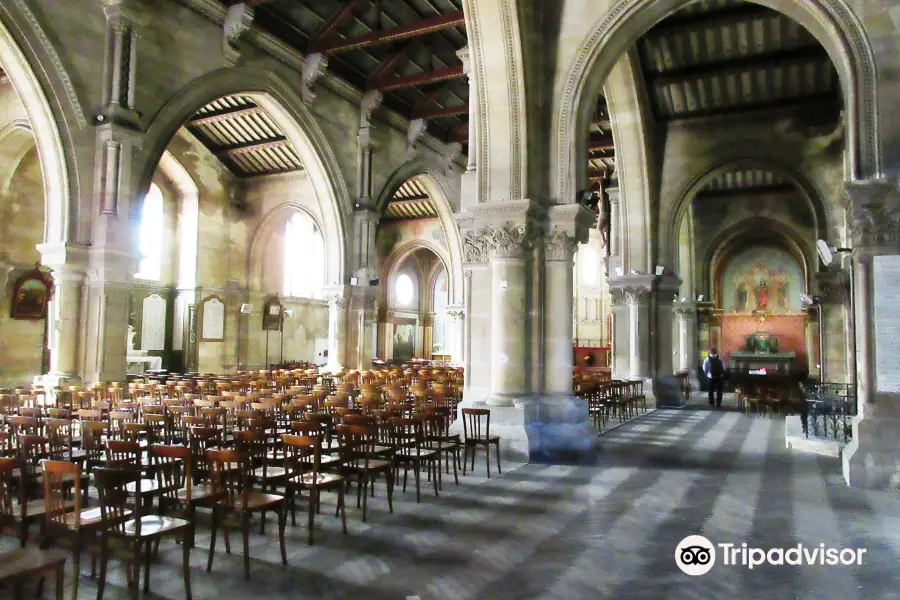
(273, 220)
(738, 237)
(399, 256)
(439, 190)
(16, 139)
(671, 224)
(60, 213)
(284, 103)
(832, 22)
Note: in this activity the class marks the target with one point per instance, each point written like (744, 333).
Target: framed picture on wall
(31, 295)
(272, 314)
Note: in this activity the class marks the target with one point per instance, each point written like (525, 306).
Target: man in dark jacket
(714, 367)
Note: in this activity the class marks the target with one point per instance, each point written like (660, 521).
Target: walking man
(714, 367)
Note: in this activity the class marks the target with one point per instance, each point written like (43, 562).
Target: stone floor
(607, 530)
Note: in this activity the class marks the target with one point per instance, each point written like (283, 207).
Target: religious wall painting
(31, 295)
(405, 331)
(767, 280)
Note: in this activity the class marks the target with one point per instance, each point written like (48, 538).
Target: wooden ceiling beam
(387, 84)
(719, 18)
(810, 102)
(389, 65)
(244, 148)
(441, 112)
(223, 115)
(460, 133)
(385, 36)
(600, 142)
(736, 66)
(333, 23)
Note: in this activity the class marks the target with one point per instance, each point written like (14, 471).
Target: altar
(772, 362)
(761, 353)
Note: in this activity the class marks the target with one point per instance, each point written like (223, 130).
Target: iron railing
(830, 408)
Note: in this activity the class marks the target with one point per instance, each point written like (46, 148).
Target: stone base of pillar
(538, 428)
(666, 392)
(872, 459)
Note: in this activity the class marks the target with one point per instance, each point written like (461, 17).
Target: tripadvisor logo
(696, 555)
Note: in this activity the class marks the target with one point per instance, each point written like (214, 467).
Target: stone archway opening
(417, 250)
(234, 173)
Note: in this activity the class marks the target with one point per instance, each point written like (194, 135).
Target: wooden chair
(135, 530)
(230, 474)
(172, 465)
(436, 424)
(18, 565)
(473, 438)
(65, 519)
(357, 447)
(303, 465)
(408, 438)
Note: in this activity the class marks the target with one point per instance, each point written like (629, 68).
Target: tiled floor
(571, 532)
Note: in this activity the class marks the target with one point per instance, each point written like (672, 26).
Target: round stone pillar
(457, 333)
(65, 315)
(337, 329)
(638, 302)
(509, 347)
(559, 253)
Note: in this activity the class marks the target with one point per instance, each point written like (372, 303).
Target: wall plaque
(887, 323)
(212, 320)
(153, 323)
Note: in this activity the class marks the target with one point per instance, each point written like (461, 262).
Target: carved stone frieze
(498, 241)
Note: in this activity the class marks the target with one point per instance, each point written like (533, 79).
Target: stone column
(337, 328)
(621, 330)
(872, 459)
(686, 313)
(559, 252)
(615, 229)
(509, 308)
(637, 298)
(456, 333)
(834, 307)
(464, 56)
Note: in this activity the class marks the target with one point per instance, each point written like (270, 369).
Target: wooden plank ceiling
(745, 180)
(405, 49)
(244, 137)
(410, 201)
(725, 57)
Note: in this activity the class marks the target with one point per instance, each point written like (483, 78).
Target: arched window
(590, 266)
(304, 258)
(151, 235)
(404, 290)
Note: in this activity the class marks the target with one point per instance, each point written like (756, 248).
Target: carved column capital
(559, 246)
(638, 295)
(617, 297)
(509, 240)
(874, 213)
(685, 310)
(456, 312)
(834, 287)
